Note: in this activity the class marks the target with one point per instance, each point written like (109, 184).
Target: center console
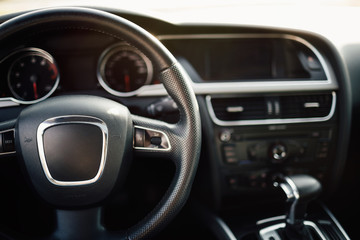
(273, 107)
(248, 157)
(251, 149)
(303, 216)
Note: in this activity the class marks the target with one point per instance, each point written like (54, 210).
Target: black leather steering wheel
(76, 149)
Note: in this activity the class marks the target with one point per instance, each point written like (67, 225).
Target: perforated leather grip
(185, 137)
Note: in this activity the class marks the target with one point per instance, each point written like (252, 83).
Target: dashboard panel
(272, 101)
(278, 83)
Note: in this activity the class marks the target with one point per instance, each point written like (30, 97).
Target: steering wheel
(75, 150)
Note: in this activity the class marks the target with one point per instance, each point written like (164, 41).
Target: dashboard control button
(225, 136)
(278, 153)
(229, 153)
(232, 181)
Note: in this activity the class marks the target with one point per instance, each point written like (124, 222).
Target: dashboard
(272, 100)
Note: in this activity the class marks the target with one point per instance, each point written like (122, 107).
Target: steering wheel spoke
(7, 138)
(151, 137)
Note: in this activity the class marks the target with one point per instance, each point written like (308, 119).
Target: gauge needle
(35, 90)
(127, 83)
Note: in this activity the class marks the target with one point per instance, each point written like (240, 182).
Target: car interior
(118, 124)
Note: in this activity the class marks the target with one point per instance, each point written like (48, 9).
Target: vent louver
(234, 109)
(305, 106)
(273, 110)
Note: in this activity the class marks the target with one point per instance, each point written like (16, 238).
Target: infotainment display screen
(227, 59)
(245, 58)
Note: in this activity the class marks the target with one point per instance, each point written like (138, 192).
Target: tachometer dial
(123, 70)
(33, 76)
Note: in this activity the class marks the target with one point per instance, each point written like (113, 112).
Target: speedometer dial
(123, 70)
(33, 75)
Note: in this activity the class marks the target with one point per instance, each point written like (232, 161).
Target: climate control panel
(249, 157)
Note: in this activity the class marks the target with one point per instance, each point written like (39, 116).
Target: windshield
(164, 6)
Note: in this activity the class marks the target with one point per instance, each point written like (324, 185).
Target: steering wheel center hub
(72, 149)
(65, 144)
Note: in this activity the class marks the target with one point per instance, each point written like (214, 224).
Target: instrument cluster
(32, 74)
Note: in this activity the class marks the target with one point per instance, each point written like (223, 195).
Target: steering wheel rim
(184, 136)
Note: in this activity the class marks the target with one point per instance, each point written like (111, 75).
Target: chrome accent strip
(39, 52)
(314, 226)
(235, 109)
(293, 195)
(269, 121)
(244, 87)
(271, 231)
(105, 57)
(153, 149)
(226, 229)
(8, 102)
(4, 131)
(331, 215)
(72, 119)
(312, 105)
(277, 218)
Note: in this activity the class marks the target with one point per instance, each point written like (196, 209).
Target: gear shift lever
(300, 190)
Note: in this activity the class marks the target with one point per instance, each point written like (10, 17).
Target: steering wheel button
(145, 138)
(8, 144)
(139, 140)
(156, 141)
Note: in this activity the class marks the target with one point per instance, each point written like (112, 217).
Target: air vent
(234, 109)
(271, 110)
(305, 106)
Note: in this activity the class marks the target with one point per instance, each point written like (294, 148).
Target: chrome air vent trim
(269, 121)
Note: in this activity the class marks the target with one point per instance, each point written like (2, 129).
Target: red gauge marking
(36, 96)
(127, 83)
(55, 71)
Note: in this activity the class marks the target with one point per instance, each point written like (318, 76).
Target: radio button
(225, 136)
(229, 154)
(278, 153)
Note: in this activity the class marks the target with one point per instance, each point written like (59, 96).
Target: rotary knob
(225, 136)
(278, 153)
